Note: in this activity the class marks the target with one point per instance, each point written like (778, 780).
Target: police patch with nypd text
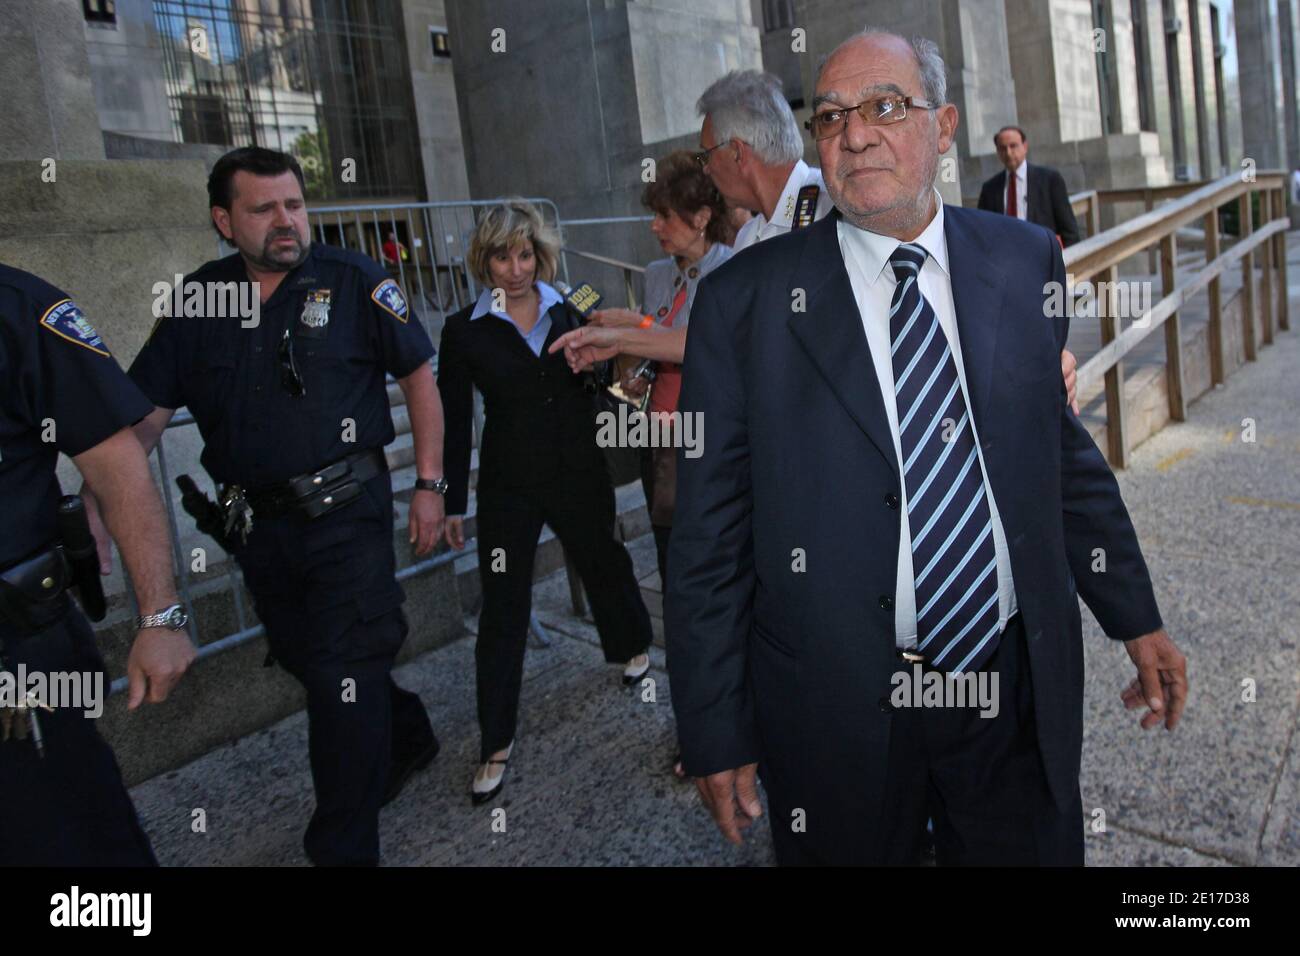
(388, 295)
(65, 320)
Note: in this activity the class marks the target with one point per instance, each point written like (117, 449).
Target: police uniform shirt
(664, 278)
(759, 228)
(350, 324)
(62, 391)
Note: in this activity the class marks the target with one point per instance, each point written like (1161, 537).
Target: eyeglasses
(702, 157)
(289, 376)
(877, 111)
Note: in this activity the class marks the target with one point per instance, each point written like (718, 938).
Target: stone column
(1259, 63)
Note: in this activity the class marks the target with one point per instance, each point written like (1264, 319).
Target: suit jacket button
(886, 602)
(891, 500)
(885, 705)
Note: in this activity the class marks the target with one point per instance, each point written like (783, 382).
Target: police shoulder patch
(388, 296)
(65, 320)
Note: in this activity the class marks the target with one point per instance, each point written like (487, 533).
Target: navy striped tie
(953, 560)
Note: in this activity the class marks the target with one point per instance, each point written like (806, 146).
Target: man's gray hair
(934, 74)
(749, 106)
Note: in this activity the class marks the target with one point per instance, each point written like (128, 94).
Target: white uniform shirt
(759, 228)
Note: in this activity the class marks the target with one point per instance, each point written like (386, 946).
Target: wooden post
(1094, 214)
(1173, 333)
(1247, 279)
(1266, 267)
(1116, 443)
(1284, 300)
(1215, 293)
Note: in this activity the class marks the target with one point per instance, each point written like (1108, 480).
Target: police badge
(315, 316)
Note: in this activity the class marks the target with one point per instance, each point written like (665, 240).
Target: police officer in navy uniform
(293, 408)
(62, 801)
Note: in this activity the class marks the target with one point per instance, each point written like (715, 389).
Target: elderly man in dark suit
(1035, 193)
(892, 485)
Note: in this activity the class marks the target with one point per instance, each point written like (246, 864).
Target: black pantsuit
(538, 464)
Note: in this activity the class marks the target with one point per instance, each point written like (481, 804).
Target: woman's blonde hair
(510, 223)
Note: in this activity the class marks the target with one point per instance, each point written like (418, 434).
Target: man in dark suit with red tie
(1035, 193)
(892, 484)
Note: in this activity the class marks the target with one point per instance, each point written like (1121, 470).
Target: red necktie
(1011, 194)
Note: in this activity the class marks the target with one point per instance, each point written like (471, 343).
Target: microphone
(581, 300)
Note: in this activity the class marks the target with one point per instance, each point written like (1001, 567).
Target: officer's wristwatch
(173, 618)
(431, 484)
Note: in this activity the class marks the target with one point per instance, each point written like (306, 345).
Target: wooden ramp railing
(1097, 260)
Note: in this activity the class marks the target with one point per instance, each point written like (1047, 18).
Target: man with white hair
(895, 494)
(751, 148)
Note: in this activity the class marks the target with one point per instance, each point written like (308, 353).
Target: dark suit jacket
(539, 420)
(790, 668)
(1049, 201)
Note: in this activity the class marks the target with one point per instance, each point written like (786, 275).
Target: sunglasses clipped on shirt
(289, 376)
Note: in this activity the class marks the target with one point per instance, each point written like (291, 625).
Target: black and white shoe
(636, 668)
(487, 785)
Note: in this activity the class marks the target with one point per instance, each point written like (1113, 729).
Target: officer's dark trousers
(332, 608)
(70, 807)
(980, 779)
(580, 510)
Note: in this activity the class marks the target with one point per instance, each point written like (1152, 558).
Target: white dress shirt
(759, 228)
(1022, 188)
(866, 257)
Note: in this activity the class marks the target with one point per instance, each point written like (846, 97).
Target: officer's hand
(158, 658)
(425, 521)
(732, 798)
(103, 543)
(455, 532)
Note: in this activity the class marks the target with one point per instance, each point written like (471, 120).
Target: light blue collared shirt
(535, 338)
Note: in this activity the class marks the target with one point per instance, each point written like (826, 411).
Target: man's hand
(586, 346)
(424, 525)
(158, 658)
(732, 798)
(455, 531)
(1069, 371)
(1161, 684)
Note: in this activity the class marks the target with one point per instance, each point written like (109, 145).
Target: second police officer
(62, 800)
(293, 408)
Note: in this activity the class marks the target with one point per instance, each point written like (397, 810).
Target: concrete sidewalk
(589, 784)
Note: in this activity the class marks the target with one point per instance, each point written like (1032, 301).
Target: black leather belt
(318, 492)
